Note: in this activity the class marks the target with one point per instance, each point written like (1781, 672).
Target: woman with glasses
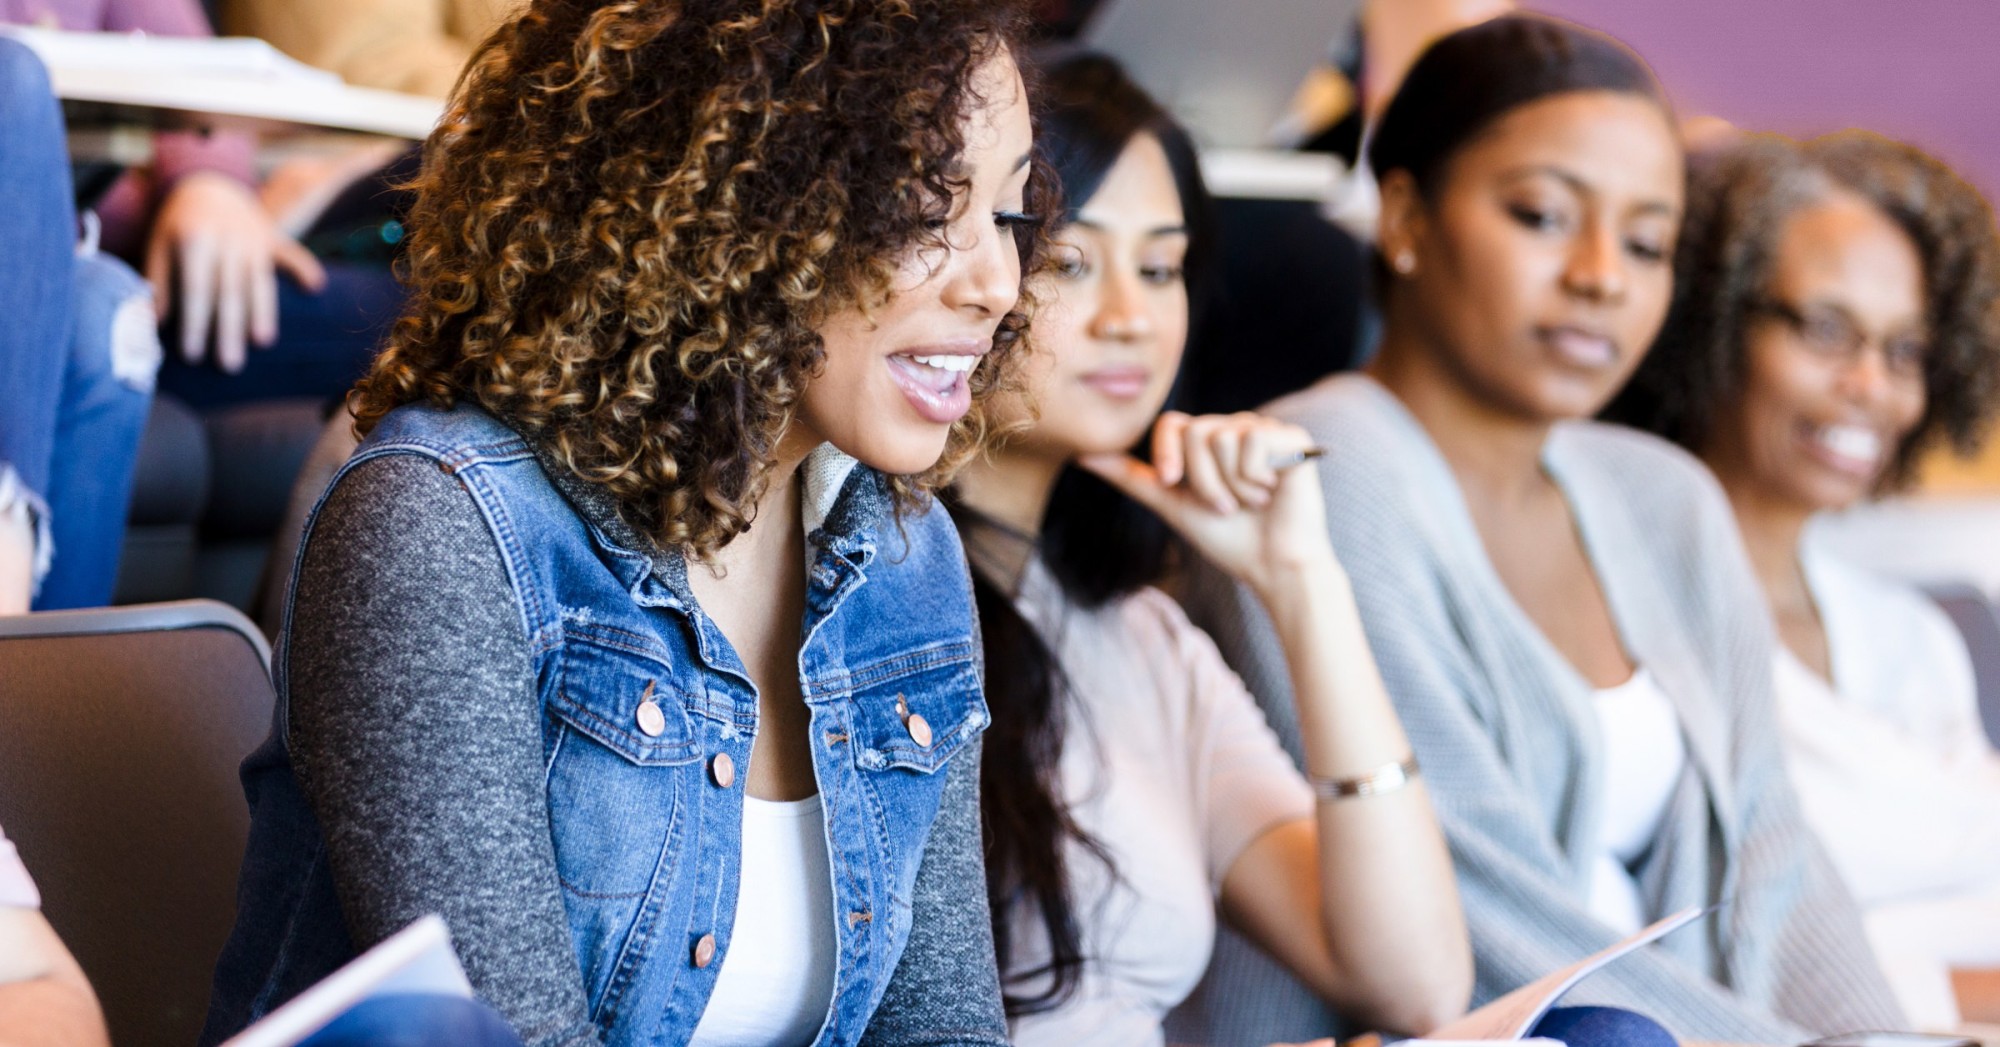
(1835, 319)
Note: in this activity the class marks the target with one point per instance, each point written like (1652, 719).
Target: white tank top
(776, 981)
(1643, 759)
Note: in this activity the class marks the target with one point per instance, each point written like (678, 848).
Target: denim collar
(844, 504)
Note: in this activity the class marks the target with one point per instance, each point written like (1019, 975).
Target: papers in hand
(416, 959)
(1511, 1016)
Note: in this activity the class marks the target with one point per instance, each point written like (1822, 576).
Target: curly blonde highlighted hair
(634, 215)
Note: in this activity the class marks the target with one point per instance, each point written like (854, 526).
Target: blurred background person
(1836, 317)
(191, 217)
(1131, 783)
(1562, 610)
(78, 355)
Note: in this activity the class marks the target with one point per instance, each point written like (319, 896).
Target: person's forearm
(45, 1001)
(1346, 722)
(49, 1012)
(1389, 901)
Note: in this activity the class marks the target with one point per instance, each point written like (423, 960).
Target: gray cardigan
(1509, 744)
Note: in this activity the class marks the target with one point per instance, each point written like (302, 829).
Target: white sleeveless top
(776, 982)
(1644, 756)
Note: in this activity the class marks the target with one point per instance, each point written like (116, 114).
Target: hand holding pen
(1232, 486)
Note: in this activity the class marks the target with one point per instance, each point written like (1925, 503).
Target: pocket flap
(626, 700)
(917, 718)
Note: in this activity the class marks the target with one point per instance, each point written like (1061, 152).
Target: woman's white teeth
(958, 362)
(1851, 441)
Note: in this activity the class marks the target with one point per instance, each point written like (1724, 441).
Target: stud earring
(1405, 262)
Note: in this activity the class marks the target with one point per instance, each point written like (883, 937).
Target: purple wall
(1926, 71)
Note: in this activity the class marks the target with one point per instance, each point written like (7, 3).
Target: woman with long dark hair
(629, 640)
(1562, 610)
(1131, 785)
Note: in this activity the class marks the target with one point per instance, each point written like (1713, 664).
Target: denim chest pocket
(621, 756)
(911, 719)
(913, 714)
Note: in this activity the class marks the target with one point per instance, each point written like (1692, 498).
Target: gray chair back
(121, 731)
(1977, 621)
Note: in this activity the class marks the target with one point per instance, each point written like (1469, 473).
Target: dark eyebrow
(1162, 230)
(1583, 188)
(956, 168)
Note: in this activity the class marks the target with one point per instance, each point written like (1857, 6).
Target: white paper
(241, 56)
(416, 959)
(1511, 1016)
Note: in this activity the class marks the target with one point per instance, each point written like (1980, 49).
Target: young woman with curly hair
(1132, 785)
(1561, 609)
(1838, 314)
(628, 640)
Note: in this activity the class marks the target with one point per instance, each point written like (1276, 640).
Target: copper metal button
(919, 728)
(704, 951)
(651, 720)
(723, 769)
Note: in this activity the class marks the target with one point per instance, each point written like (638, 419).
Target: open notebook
(416, 959)
(1511, 1016)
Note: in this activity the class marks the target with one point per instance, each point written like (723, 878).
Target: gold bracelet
(1384, 779)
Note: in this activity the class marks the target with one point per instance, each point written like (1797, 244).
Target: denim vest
(644, 706)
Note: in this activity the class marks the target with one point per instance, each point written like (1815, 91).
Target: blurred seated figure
(1835, 318)
(224, 268)
(45, 1001)
(1561, 610)
(78, 353)
(417, 46)
(1132, 788)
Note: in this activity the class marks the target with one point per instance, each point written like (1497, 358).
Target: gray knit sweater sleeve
(946, 989)
(415, 732)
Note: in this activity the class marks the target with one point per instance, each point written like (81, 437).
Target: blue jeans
(325, 343)
(77, 351)
(415, 1020)
(1602, 1027)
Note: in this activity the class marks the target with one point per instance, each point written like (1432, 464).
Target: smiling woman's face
(1114, 316)
(895, 378)
(1541, 269)
(1833, 362)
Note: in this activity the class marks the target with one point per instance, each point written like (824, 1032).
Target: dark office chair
(120, 735)
(1978, 623)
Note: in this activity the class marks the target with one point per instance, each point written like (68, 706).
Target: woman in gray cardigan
(1562, 610)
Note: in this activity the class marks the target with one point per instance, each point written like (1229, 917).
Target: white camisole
(1643, 759)
(776, 981)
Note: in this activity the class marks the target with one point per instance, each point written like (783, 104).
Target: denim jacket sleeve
(946, 989)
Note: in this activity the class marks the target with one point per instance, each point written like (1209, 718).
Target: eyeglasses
(1829, 334)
